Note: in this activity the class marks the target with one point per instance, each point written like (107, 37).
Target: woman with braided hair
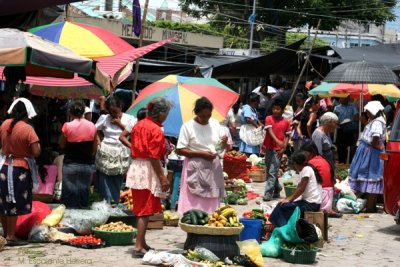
(18, 174)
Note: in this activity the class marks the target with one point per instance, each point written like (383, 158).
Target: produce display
(236, 192)
(115, 227)
(87, 239)
(170, 216)
(255, 214)
(125, 197)
(224, 217)
(54, 217)
(202, 256)
(195, 217)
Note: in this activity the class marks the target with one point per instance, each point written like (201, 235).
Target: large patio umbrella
(85, 40)
(183, 92)
(355, 90)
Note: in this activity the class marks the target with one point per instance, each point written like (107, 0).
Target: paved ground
(353, 241)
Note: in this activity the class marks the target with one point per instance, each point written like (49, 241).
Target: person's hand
(280, 143)
(164, 183)
(224, 140)
(281, 152)
(207, 155)
(284, 201)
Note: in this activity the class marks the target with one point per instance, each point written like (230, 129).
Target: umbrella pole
(137, 61)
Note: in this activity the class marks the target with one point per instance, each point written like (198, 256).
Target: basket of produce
(289, 188)
(223, 221)
(128, 219)
(236, 165)
(115, 233)
(257, 174)
(170, 219)
(299, 253)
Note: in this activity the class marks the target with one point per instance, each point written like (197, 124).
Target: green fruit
(193, 217)
(199, 213)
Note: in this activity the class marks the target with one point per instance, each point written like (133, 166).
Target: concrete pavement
(371, 240)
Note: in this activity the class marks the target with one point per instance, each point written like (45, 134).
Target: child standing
(275, 143)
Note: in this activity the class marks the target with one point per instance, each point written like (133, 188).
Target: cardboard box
(156, 221)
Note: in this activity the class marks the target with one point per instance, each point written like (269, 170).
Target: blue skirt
(248, 148)
(366, 170)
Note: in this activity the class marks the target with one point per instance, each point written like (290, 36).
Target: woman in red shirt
(326, 171)
(146, 176)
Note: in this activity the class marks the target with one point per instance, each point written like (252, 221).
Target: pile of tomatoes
(86, 239)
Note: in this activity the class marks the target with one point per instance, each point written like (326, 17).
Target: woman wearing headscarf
(112, 157)
(18, 175)
(79, 143)
(202, 141)
(366, 169)
(146, 176)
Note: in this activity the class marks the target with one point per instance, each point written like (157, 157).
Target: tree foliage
(274, 17)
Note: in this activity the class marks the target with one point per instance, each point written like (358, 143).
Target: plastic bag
(345, 189)
(206, 254)
(26, 222)
(55, 216)
(106, 208)
(83, 220)
(272, 247)
(345, 205)
(153, 257)
(39, 234)
(252, 249)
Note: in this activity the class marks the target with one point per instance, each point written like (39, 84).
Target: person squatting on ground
(146, 176)
(275, 144)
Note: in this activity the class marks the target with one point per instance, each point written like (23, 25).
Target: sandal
(138, 254)
(16, 242)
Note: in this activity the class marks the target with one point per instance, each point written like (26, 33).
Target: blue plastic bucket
(252, 229)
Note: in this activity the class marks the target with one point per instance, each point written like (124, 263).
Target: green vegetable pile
(195, 217)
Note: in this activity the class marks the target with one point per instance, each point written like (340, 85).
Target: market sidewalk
(371, 240)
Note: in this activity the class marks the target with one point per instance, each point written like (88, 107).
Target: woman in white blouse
(112, 157)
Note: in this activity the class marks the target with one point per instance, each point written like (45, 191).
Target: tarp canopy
(279, 61)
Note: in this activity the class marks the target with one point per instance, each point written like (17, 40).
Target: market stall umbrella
(85, 40)
(362, 72)
(35, 56)
(183, 92)
(355, 90)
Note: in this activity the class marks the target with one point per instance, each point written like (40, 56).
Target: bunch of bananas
(224, 217)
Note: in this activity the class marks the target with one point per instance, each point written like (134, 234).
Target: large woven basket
(209, 230)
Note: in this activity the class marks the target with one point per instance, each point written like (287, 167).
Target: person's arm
(317, 138)
(63, 142)
(271, 133)
(311, 120)
(376, 143)
(301, 187)
(298, 129)
(251, 121)
(207, 155)
(156, 164)
(98, 137)
(35, 149)
(124, 138)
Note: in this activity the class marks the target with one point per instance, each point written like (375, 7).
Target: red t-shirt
(280, 127)
(322, 165)
(147, 140)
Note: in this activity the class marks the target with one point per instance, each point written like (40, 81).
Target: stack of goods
(257, 169)
(87, 241)
(236, 192)
(267, 226)
(224, 217)
(236, 165)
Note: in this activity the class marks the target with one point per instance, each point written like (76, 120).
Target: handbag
(251, 135)
(112, 159)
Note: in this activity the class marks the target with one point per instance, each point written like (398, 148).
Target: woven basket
(209, 230)
(300, 256)
(115, 238)
(171, 222)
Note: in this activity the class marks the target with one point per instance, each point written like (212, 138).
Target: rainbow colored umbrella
(355, 90)
(183, 92)
(85, 40)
